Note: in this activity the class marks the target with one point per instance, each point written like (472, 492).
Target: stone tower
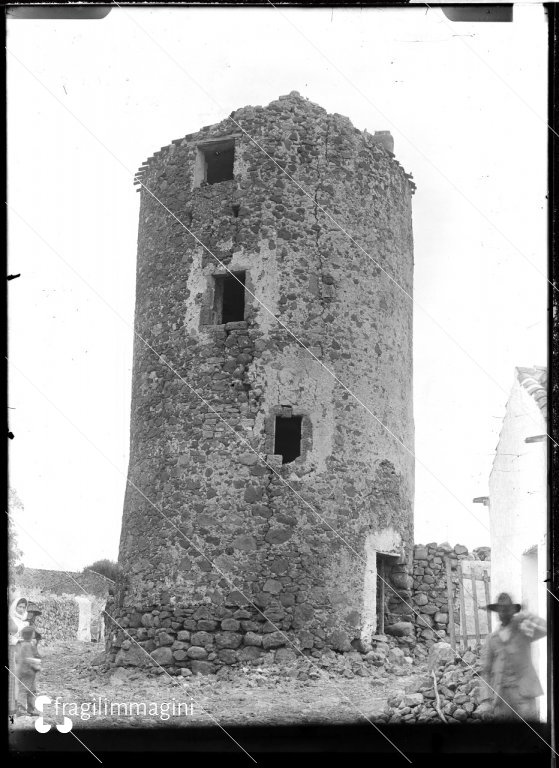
(221, 558)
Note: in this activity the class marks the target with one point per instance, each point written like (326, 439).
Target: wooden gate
(469, 599)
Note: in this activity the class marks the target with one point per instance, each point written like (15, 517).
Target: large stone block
(285, 656)
(396, 656)
(420, 599)
(206, 625)
(244, 543)
(163, 656)
(339, 640)
(202, 638)
(249, 653)
(197, 652)
(202, 668)
(228, 639)
(203, 612)
(429, 609)
(401, 580)
(306, 639)
(273, 640)
(400, 629)
(251, 638)
(135, 656)
(302, 615)
(440, 653)
(277, 536)
(228, 656)
(165, 639)
(273, 585)
(230, 625)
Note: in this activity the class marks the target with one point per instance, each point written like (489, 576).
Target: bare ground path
(253, 695)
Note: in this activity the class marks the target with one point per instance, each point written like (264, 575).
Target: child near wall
(28, 664)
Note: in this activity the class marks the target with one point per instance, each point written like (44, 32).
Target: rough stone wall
(59, 619)
(232, 525)
(430, 595)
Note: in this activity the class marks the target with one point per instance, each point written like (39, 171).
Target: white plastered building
(518, 504)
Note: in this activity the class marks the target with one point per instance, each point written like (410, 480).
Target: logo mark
(40, 724)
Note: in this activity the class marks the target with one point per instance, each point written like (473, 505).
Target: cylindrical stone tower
(284, 227)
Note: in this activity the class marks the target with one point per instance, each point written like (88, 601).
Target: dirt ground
(251, 696)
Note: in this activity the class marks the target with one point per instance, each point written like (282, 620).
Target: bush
(105, 567)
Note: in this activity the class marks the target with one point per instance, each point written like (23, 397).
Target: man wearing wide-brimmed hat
(507, 661)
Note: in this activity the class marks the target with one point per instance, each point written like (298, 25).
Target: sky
(90, 100)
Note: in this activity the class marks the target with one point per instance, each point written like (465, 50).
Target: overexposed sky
(466, 104)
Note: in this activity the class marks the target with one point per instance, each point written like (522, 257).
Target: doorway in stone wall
(383, 566)
(382, 553)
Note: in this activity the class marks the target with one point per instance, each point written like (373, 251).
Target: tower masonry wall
(228, 554)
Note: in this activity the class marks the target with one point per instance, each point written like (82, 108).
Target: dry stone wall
(59, 619)
(219, 556)
(430, 594)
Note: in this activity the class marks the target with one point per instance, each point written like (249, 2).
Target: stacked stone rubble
(463, 697)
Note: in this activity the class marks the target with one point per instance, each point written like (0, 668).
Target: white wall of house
(84, 622)
(518, 512)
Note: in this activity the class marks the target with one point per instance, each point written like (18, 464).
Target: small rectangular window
(229, 297)
(288, 438)
(216, 161)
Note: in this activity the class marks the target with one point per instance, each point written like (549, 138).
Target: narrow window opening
(229, 297)
(381, 604)
(288, 438)
(219, 162)
(236, 209)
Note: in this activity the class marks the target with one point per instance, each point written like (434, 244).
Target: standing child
(17, 620)
(27, 666)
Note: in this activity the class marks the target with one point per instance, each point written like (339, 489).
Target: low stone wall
(206, 637)
(430, 599)
(59, 619)
(203, 640)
